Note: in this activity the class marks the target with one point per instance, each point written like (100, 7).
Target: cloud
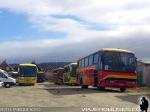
(88, 24)
(119, 13)
(57, 50)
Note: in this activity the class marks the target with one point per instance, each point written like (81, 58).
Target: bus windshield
(26, 71)
(73, 70)
(119, 62)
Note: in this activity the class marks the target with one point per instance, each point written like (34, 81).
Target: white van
(6, 79)
(1, 84)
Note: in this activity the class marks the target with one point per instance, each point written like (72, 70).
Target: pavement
(48, 97)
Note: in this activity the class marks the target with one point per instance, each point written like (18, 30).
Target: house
(143, 73)
(6, 67)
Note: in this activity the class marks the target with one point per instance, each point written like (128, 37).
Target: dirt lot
(61, 97)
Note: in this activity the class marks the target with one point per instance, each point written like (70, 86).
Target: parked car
(6, 79)
(1, 84)
(40, 77)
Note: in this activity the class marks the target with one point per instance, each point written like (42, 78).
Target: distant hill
(44, 65)
(53, 64)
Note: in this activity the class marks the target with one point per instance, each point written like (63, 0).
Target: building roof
(4, 64)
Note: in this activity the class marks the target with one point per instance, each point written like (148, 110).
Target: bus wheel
(7, 85)
(100, 88)
(84, 86)
(32, 84)
(122, 89)
(20, 84)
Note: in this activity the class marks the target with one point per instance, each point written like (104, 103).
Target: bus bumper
(73, 81)
(27, 81)
(118, 84)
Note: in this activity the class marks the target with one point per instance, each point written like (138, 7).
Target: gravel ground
(65, 98)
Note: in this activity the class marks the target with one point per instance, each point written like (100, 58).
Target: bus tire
(81, 82)
(20, 84)
(122, 89)
(84, 86)
(100, 88)
(33, 84)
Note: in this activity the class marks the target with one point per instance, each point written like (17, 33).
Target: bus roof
(73, 64)
(70, 64)
(33, 65)
(110, 50)
(116, 50)
(57, 69)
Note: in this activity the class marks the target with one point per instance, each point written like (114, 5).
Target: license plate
(27, 80)
(121, 84)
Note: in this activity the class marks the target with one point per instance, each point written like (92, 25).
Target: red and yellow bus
(108, 67)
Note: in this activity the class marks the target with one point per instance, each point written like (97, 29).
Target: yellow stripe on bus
(119, 76)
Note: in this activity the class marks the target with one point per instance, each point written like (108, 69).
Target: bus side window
(100, 62)
(96, 61)
(91, 60)
(79, 63)
(96, 58)
(86, 62)
(82, 62)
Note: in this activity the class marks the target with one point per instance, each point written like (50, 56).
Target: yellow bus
(70, 76)
(27, 74)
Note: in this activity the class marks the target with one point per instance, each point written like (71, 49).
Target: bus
(40, 77)
(58, 75)
(70, 76)
(108, 67)
(27, 74)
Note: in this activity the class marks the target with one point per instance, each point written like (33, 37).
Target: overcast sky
(65, 30)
